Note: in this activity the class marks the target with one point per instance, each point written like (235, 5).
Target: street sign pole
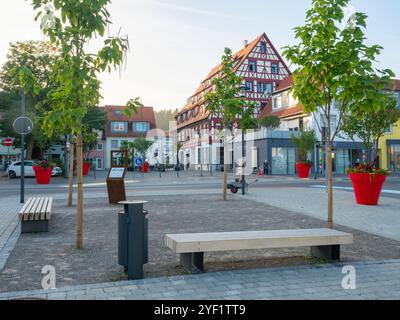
(23, 152)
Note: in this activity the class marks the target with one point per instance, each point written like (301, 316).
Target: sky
(175, 43)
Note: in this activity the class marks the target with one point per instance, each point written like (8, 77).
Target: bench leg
(34, 226)
(326, 252)
(193, 261)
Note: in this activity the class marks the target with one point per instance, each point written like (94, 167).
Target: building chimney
(246, 43)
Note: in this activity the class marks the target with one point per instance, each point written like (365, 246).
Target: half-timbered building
(261, 68)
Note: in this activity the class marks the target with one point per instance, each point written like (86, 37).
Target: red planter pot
(303, 170)
(367, 187)
(145, 167)
(86, 169)
(42, 175)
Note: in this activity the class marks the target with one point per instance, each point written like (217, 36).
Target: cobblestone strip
(374, 280)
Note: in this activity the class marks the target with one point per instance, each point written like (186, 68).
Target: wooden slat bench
(35, 215)
(324, 243)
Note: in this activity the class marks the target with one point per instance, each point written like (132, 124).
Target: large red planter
(303, 170)
(367, 187)
(145, 167)
(42, 175)
(86, 169)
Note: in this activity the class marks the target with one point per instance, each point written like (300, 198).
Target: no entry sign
(7, 142)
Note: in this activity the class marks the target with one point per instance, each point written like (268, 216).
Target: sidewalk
(382, 220)
(9, 228)
(374, 280)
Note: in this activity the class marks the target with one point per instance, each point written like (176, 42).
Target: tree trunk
(79, 214)
(330, 183)
(225, 165)
(29, 149)
(71, 175)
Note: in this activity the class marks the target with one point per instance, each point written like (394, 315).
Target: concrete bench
(324, 243)
(35, 215)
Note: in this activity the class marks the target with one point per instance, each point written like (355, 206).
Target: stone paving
(382, 220)
(168, 214)
(374, 280)
(9, 228)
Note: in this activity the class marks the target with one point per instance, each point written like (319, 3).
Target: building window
(117, 113)
(274, 68)
(141, 126)
(277, 103)
(249, 86)
(269, 88)
(114, 144)
(389, 130)
(119, 127)
(253, 66)
(100, 147)
(261, 87)
(263, 47)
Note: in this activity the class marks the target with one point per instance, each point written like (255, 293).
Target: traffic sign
(8, 142)
(138, 161)
(23, 125)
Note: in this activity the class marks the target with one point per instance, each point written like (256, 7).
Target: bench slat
(38, 209)
(49, 209)
(44, 208)
(33, 210)
(226, 241)
(28, 211)
(25, 206)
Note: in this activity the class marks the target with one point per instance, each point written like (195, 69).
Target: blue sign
(138, 161)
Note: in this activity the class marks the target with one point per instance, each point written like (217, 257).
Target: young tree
(142, 146)
(371, 125)
(270, 122)
(70, 25)
(226, 100)
(304, 143)
(333, 67)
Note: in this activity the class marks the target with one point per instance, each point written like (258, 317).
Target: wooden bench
(35, 215)
(324, 243)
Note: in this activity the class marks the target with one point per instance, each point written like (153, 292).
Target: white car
(56, 172)
(14, 170)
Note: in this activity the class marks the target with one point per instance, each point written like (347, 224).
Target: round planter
(86, 169)
(367, 187)
(42, 175)
(303, 170)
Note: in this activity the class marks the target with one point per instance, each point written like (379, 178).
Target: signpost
(8, 142)
(116, 179)
(23, 126)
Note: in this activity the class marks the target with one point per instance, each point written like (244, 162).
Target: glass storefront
(394, 158)
(342, 159)
(283, 161)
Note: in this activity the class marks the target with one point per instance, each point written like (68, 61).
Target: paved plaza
(374, 280)
(193, 204)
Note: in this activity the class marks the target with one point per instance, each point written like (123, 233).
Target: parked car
(14, 170)
(56, 172)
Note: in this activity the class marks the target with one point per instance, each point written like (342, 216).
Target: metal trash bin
(133, 238)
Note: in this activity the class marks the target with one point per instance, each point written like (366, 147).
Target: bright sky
(175, 43)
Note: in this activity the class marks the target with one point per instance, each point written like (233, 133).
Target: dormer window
(117, 113)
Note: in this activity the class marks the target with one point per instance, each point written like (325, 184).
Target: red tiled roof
(145, 114)
(285, 84)
(239, 56)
